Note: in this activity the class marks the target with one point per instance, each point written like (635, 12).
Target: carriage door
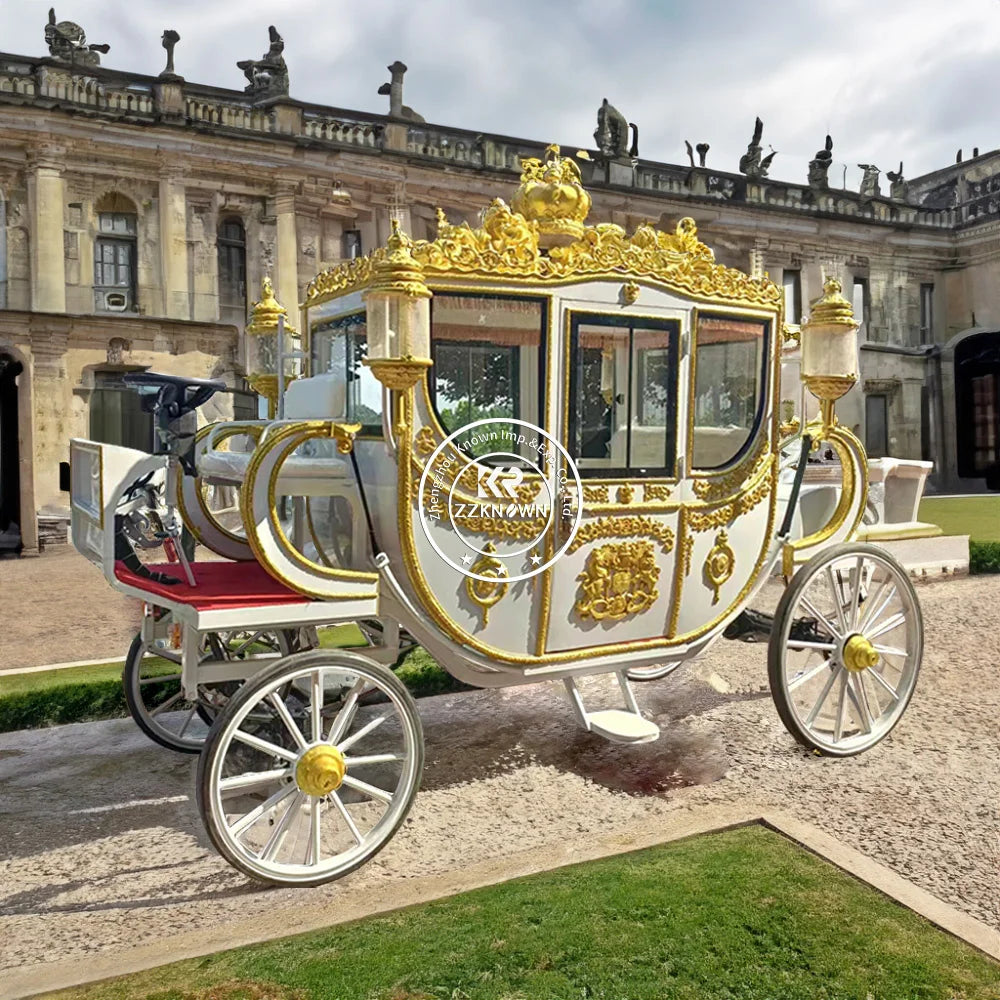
(615, 581)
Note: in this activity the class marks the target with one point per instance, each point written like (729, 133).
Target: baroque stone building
(138, 215)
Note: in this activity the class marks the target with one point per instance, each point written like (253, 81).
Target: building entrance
(10, 477)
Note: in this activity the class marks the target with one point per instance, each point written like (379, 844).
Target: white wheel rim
(848, 709)
(278, 830)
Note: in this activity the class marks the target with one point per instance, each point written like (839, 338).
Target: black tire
(780, 636)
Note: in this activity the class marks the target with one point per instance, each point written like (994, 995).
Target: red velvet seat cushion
(220, 585)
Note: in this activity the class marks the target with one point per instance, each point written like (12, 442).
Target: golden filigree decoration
(618, 580)
(552, 195)
(719, 564)
(484, 594)
(717, 488)
(656, 491)
(625, 493)
(425, 441)
(622, 527)
(687, 550)
(720, 517)
(506, 245)
(629, 293)
(595, 494)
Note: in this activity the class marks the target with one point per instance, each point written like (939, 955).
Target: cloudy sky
(889, 79)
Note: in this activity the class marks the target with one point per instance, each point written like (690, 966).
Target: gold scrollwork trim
(719, 564)
(720, 517)
(484, 594)
(595, 494)
(618, 580)
(655, 492)
(623, 527)
(727, 484)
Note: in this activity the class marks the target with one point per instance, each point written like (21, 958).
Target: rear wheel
(152, 682)
(845, 649)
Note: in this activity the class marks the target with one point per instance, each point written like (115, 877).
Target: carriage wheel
(311, 768)
(845, 649)
(152, 682)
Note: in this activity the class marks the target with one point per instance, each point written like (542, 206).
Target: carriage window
(338, 346)
(487, 357)
(728, 392)
(623, 392)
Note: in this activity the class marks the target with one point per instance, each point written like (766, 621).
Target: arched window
(232, 244)
(115, 267)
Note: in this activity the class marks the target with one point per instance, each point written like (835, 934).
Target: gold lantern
(398, 315)
(267, 318)
(829, 340)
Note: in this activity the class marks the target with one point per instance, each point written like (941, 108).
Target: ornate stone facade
(205, 190)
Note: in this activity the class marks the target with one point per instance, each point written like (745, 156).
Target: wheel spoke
(245, 822)
(264, 746)
(879, 679)
(172, 700)
(316, 705)
(286, 717)
(362, 732)
(838, 599)
(187, 722)
(370, 790)
(817, 614)
(824, 647)
(838, 729)
(314, 831)
(899, 618)
(804, 678)
(346, 816)
(856, 591)
(860, 702)
(874, 612)
(811, 718)
(164, 654)
(277, 837)
(160, 679)
(889, 650)
(342, 721)
(252, 779)
(373, 758)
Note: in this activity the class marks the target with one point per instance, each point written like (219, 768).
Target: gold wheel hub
(859, 654)
(320, 770)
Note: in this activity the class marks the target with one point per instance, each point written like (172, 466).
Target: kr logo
(501, 483)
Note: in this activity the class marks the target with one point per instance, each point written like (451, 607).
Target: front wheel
(311, 768)
(845, 649)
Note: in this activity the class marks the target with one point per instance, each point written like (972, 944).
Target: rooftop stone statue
(67, 41)
(268, 75)
(612, 134)
(751, 163)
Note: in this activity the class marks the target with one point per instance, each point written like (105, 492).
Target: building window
(115, 262)
(926, 314)
(352, 244)
(862, 305)
(116, 414)
(791, 282)
(232, 248)
(3, 252)
(877, 425)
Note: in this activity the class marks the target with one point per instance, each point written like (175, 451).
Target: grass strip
(739, 915)
(977, 517)
(85, 694)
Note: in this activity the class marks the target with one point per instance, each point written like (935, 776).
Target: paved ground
(102, 846)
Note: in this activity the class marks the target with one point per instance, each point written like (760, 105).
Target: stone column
(286, 285)
(173, 246)
(47, 191)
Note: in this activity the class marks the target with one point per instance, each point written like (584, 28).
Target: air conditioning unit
(118, 300)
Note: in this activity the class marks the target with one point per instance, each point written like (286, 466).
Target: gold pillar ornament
(829, 342)
(398, 314)
(262, 346)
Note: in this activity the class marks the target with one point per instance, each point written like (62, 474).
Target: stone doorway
(10, 474)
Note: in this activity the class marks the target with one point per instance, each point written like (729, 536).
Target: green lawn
(977, 517)
(740, 915)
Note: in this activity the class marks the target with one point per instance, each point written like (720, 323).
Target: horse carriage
(541, 450)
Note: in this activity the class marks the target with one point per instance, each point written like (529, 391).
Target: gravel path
(102, 847)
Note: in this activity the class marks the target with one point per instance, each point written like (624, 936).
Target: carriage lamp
(264, 353)
(829, 365)
(398, 315)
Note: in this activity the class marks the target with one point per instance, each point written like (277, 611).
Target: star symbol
(466, 559)
(536, 559)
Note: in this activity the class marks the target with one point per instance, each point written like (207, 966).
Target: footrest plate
(619, 726)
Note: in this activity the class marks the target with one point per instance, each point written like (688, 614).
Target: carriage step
(619, 726)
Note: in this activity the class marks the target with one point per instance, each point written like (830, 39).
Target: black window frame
(113, 238)
(224, 244)
(673, 328)
(765, 359)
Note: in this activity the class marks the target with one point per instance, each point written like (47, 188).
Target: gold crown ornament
(552, 196)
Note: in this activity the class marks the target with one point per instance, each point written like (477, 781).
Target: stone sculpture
(819, 166)
(703, 149)
(169, 39)
(690, 152)
(898, 188)
(612, 132)
(751, 163)
(394, 90)
(68, 41)
(267, 76)
(869, 181)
